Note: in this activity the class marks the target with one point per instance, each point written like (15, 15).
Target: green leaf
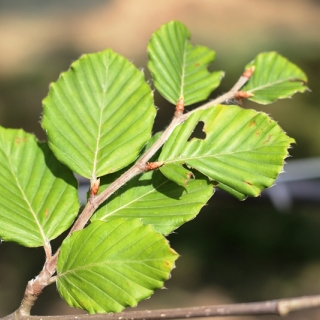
(243, 150)
(99, 114)
(38, 194)
(111, 265)
(180, 69)
(155, 200)
(274, 78)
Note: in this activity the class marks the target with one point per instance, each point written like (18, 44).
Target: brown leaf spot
(20, 140)
(249, 183)
(253, 123)
(268, 139)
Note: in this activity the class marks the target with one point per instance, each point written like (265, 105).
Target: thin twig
(280, 307)
(232, 93)
(140, 166)
(35, 286)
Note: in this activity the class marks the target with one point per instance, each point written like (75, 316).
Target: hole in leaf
(198, 132)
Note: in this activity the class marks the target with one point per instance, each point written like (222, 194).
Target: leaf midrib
(102, 107)
(185, 159)
(109, 262)
(133, 201)
(183, 67)
(271, 84)
(27, 201)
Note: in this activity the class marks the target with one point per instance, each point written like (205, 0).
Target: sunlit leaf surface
(111, 265)
(180, 69)
(38, 194)
(243, 150)
(156, 200)
(274, 78)
(99, 114)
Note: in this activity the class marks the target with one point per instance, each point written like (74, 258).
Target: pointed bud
(248, 73)
(243, 95)
(94, 187)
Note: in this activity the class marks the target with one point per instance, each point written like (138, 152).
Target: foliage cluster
(98, 117)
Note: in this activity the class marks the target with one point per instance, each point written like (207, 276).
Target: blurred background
(263, 248)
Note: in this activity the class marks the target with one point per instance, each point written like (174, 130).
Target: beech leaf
(99, 114)
(274, 77)
(155, 200)
(178, 68)
(38, 194)
(111, 265)
(243, 150)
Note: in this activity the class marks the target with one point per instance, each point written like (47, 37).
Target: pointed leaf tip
(180, 69)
